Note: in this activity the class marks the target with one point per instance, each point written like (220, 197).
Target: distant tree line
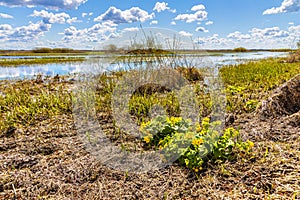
(54, 50)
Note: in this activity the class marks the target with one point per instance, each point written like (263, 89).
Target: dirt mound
(284, 101)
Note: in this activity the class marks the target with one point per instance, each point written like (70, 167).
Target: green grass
(253, 81)
(34, 61)
(24, 103)
(27, 102)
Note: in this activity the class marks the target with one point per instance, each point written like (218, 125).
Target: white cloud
(131, 29)
(291, 23)
(294, 31)
(51, 18)
(52, 4)
(73, 20)
(209, 23)
(6, 16)
(201, 29)
(5, 27)
(185, 34)
(118, 16)
(198, 7)
(269, 32)
(199, 15)
(238, 36)
(161, 6)
(173, 23)
(286, 6)
(28, 33)
(154, 22)
(95, 33)
(84, 14)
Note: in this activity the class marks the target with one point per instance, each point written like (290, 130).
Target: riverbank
(38, 61)
(42, 156)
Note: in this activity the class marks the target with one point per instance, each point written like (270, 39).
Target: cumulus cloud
(51, 18)
(185, 34)
(209, 23)
(286, 6)
(27, 33)
(5, 27)
(238, 36)
(118, 16)
(173, 23)
(30, 32)
(294, 31)
(131, 29)
(198, 7)
(269, 32)
(93, 34)
(162, 6)
(200, 14)
(6, 16)
(86, 14)
(211, 41)
(54, 4)
(154, 22)
(201, 29)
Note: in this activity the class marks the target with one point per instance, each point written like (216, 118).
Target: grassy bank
(247, 84)
(36, 61)
(27, 102)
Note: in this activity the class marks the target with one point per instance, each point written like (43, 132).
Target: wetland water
(29, 71)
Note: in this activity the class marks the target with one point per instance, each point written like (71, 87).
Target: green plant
(158, 131)
(38, 61)
(206, 144)
(29, 103)
(249, 82)
(251, 105)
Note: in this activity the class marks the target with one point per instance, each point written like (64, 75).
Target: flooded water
(29, 71)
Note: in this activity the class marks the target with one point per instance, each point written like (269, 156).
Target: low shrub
(207, 144)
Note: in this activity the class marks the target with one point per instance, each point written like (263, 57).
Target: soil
(48, 161)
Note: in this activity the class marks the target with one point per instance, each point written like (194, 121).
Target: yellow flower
(174, 120)
(197, 142)
(251, 144)
(147, 139)
(196, 169)
(144, 124)
(186, 161)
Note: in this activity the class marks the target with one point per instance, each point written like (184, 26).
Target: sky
(87, 24)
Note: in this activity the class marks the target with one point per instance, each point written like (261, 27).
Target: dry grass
(49, 161)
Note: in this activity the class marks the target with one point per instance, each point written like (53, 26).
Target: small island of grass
(35, 61)
(150, 51)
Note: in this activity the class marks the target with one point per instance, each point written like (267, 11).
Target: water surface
(29, 71)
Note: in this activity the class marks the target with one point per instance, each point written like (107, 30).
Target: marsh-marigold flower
(147, 139)
(197, 142)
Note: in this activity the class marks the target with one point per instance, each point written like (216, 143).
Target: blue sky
(86, 24)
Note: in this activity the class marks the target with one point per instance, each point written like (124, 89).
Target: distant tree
(42, 50)
(240, 49)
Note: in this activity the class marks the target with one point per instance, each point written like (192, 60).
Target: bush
(240, 49)
(206, 143)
